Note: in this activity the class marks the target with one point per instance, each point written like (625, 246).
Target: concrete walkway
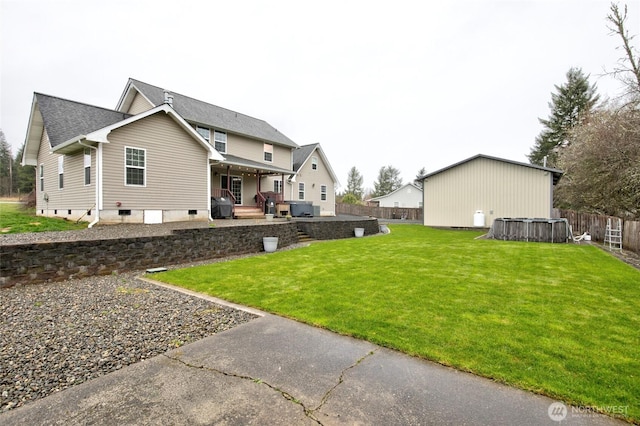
(274, 371)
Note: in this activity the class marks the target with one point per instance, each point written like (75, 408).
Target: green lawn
(14, 218)
(562, 320)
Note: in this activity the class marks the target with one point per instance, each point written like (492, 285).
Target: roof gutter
(97, 219)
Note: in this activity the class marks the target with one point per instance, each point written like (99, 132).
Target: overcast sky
(410, 84)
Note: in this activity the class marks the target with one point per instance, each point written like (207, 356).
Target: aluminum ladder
(613, 236)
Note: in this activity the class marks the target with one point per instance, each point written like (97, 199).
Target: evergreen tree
(23, 176)
(354, 183)
(388, 181)
(6, 166)
(573, 100)
(418, 181)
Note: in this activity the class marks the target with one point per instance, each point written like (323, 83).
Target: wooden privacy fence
(596, 226)
(406, 213)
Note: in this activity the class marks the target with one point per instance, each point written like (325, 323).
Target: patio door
(236, 186)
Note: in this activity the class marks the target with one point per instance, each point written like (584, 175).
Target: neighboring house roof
(69, 122)
(397, 190)
(206, 114)
(304, 153)
(557, 174)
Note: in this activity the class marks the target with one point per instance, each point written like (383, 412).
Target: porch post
(282, 186)
(228, 178)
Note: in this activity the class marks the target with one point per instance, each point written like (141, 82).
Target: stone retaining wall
(331, 229)
(57, 261)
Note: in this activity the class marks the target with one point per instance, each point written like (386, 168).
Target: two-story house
(157, 157)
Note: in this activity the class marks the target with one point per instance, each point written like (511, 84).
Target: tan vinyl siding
(499, 189)
(313, 181)
(176, 167)
(139, 104)
(253, 149)
(74, 195)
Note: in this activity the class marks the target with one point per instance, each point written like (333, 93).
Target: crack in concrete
(326, 396)
(286, 395)
(309, 412)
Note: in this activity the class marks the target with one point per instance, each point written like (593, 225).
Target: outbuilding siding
(497, 188)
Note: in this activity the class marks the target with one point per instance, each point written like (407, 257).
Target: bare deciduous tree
(628, 69)
(602, 165)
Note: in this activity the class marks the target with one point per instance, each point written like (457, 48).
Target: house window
(220, 141)
(323, 192)
(135, 165)
(300, 190)
(61, 172)
(87, 166)
(277, 186)
(204, 132)
(268, 152)
(314, 163)
(41, 175)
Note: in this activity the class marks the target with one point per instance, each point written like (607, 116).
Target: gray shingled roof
(206, 114)
(301, 154)
(65, 120)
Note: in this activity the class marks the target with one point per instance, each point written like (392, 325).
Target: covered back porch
(244, 183)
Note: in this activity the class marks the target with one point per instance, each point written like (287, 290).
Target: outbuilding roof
(206, 114)
(557, 174)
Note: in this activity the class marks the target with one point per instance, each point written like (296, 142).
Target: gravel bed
(57, 335)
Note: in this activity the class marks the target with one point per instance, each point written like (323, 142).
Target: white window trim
(87, 165)
(323, 192)
(314, 163)
(277, 186)
(208, 139)
(267, 149)
(144, 176)
(304, 193)
(225, 141)
(61, 171)
(41, 172)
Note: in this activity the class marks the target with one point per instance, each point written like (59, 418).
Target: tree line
(15, 179)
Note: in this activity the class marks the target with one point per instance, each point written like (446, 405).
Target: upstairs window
(220, 141)
(61, 172)
(87, 166)
(314, 163)
(301, 191)
(323, 192)
(135, 166)
(268, 152)
(204, 132)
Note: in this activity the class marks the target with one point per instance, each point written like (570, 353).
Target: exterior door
(236, 187)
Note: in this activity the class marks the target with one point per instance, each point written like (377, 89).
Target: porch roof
(239, 163)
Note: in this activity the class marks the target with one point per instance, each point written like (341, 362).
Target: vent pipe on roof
(168, 98)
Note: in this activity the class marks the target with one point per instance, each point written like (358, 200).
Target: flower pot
(269, 217)
(359, 232)
(270, 244)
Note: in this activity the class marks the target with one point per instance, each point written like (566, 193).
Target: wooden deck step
(244, 212)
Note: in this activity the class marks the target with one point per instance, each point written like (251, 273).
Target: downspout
(97, 219)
